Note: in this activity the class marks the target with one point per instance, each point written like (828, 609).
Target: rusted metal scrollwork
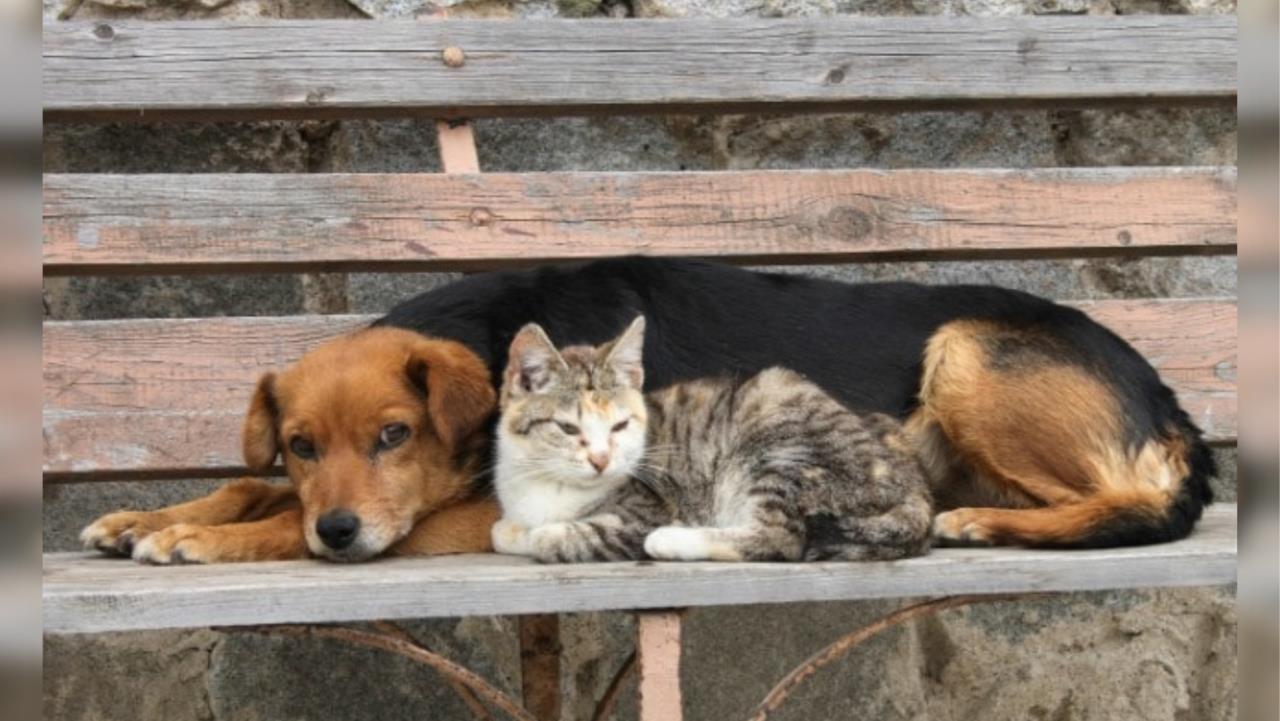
(844, 644)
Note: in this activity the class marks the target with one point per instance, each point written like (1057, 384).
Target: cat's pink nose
(598, 461)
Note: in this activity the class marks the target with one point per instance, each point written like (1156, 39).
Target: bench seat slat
(234, 223)
(88, 593)
(334, 68)
(164, 398)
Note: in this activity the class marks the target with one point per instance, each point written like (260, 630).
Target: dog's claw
(124, 544)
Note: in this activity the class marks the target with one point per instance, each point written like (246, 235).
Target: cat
(767, 468)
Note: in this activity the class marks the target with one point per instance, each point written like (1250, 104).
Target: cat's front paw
(676, 543)
(510, 537)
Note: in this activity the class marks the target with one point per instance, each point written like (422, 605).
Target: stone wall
(1131, 655)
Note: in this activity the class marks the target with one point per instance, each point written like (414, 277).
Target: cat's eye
(569, 428)
(302, 448)
(621, 425)
(392, 435)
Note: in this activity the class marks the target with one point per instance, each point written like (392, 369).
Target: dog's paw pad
(959, 527)
(116, 534)
(124, 544)
(104, 537)
(172, 546)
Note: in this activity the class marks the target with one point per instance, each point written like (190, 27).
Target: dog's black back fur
(862, 343)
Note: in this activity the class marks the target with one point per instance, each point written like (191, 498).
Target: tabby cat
(769, 468)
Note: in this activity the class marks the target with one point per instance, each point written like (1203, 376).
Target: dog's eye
(621, 426)
(569, 428)
(392, 435)
(302, 448)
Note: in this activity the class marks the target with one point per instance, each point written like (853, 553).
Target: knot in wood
(481, 217)
(846, 223)
(104, 31)
(453, 56)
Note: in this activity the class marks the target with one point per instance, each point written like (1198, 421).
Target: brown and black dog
(1038, 426)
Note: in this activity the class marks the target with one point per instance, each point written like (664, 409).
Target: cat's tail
(900, 532)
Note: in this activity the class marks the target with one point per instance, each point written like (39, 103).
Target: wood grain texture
(90, 593)
(457, 142)
(182, 223)
(165, 398)
(658, 653)
(162, 397)
(334, 68)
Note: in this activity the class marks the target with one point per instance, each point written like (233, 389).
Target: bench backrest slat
(159, 398)
(212, 70)
(173, 223)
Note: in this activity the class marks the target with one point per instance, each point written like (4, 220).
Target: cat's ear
(626, 354)
(531, 363)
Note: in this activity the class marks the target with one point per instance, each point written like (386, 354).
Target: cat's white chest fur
(537, 503)
(535, 490)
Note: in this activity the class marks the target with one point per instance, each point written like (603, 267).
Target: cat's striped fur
(768, 468)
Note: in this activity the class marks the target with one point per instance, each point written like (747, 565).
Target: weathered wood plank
(658, 650)
(277, 68)
(167, 223)
(457, 141)
(86, 593)
(164, 398)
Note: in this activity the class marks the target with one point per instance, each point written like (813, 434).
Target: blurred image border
(1259, 347)
(1259, 350)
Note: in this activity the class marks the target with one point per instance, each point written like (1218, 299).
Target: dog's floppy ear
(261, 444)
(459, 395)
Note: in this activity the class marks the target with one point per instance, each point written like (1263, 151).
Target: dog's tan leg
(275, 538)
(247, 499)
(1042, 444)
(1087, 521)
(462, 528)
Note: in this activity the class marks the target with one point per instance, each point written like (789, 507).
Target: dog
(382, 436)
(1036, 425)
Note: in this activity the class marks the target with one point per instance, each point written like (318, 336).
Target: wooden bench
(162, 399)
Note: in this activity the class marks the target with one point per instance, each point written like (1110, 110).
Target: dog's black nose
(338, 528)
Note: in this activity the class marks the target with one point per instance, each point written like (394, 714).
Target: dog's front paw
(117, 533)
(183, 543)
(510, 537)
(960, 527)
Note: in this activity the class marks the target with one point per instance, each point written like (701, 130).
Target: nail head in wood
(453, 56)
